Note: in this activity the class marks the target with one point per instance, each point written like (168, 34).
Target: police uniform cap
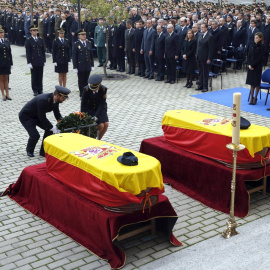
(230, 15)
(62, 91)
(94, 82)
(33, 27)
(61, 30)
(1, 29)
(81, 31)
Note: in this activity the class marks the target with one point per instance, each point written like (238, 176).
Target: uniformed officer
(100, 42)
(61, 56)
(33, 114)
(82, 58)
(35, 54)
(94, 103)
(5, 64)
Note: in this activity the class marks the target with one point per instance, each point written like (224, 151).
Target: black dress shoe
(151, 78)
(189, 86)
(205, 90)
(8, 98)
(30, 154)
(268, 109)
(117, 69)
(138, 74)
(128, 72)
(146, 76)
(171, 82)
(157, 79)
(142, 75)
(121, 70)
(167, 81)
(199, 89)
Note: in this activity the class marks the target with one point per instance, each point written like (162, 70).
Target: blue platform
(225, 97)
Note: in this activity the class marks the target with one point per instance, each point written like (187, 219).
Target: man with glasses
(33, 114)
(82, 57)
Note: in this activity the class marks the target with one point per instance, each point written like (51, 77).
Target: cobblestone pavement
(135, 108)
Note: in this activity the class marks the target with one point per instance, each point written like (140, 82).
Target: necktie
(2, 40)
(84, 44)
(35, 39)
(62, 40)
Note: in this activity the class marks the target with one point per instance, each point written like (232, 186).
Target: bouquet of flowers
(77, 121)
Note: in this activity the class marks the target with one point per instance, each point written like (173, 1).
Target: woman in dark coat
(255, 61)
(5, 64)
(189, 60)
(61, 56)
(94, 103)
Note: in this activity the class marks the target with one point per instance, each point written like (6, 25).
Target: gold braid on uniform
(94, 87)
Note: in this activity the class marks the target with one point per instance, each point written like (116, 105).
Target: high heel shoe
(4, 98)
(254, 101)
(251, 101)
(189, 85)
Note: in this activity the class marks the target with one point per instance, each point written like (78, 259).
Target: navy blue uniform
(33, 114)
(95, 103)
(35, 54)
(82, 57)
(5, 57)
(159, 54)
(61, 55)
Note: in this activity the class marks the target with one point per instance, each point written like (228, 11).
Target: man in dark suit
(33, 114)
(250, 34)
(159, 53)
(119, 45)
(147, 49)
(196, 31)
(51, 33)
(241, 18)
(239, 35)
(171, 53)
(35, 55)
(45, 31)
(82, 58)
(224, 32)
(217, 38)
(182, 32)
(69, 21)
(137, 41)
(135, 16)
(129, 36)
(204, 57)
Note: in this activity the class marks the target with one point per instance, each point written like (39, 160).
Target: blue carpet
(225, 97)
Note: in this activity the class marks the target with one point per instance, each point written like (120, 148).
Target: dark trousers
(101, 54)
(171, 68)
(149, 63)
(141, 67)
(37, 79)
(83, 80)
(203, 74)
(47, 43)
(131, 61)
(112, 59)
(160, 67)
(20, 37)
(121, 63)
(30, 125)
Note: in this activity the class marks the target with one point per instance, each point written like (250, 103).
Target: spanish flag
(208, 135)
(90, 167)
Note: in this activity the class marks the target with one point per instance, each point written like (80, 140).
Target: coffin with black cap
(110, 175)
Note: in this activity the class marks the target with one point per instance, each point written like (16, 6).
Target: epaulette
(104, 88)
(86, 88)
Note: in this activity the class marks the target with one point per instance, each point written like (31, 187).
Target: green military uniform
(100, 41)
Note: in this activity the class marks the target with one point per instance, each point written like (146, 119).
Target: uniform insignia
(105, 96)
(79, 47)
(49, 100)
(104, 89)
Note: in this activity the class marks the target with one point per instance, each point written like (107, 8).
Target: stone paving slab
(135, 109)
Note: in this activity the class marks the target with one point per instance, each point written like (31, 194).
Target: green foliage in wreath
(77, 120)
